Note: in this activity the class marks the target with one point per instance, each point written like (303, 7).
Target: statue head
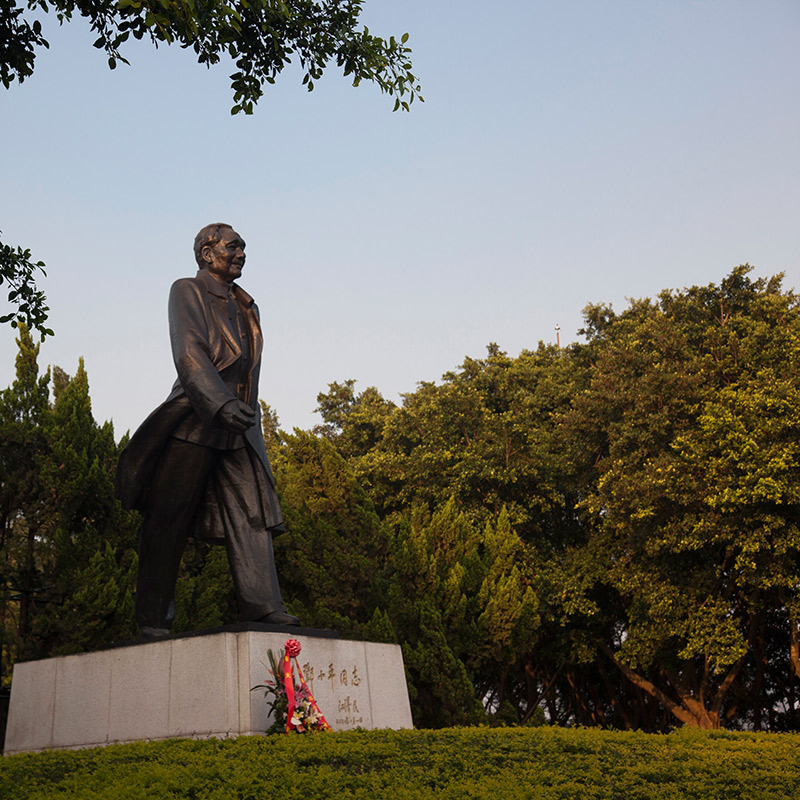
(208, 236)
(220, 250)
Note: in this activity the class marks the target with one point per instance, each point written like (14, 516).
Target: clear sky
(568, 152)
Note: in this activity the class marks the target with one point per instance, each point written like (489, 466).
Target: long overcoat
(205, 348)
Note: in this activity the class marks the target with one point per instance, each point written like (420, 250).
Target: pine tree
(24, 420)
(90, 539)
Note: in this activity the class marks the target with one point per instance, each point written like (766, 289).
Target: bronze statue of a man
(197, 465)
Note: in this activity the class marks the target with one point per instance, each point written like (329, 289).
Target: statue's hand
(236, 416)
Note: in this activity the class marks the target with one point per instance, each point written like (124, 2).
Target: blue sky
(567, 152)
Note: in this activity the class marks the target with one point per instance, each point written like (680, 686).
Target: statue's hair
(209, 235)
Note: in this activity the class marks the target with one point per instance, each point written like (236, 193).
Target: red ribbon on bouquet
(291, 651)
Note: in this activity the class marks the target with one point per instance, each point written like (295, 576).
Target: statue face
(226, 258)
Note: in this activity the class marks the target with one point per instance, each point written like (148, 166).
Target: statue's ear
(207, 254)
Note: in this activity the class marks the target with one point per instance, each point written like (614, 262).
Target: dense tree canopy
(604, 534)
(652, 474)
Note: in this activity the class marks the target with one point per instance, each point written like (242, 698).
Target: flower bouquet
(293, 707)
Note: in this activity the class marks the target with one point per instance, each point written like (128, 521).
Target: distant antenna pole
(558, 337)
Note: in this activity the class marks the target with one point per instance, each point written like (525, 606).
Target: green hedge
(534, 764)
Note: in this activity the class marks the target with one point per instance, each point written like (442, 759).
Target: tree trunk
(690, 711)
(27, 587)
(637, 680)
(794, 645)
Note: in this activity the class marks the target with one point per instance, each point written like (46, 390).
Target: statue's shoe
(279, 618)
(154, 633)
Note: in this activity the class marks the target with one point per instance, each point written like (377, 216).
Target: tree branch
(637, 680)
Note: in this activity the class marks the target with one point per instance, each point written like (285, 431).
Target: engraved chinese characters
(348, 708)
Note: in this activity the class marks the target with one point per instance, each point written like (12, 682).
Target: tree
(66, 545)
(87, 539)
(691, 508)
(24, 418)
(259, 36)
(462, 600)
(483, 436)
(479, 448)
(353, 422)
(331, 554)
(457, 595)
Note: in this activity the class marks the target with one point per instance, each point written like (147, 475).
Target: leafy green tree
(354, 422)
(332, 553)
(457, 595)
(485, 440)
(692, 511)
(432, 597)
(482, 436)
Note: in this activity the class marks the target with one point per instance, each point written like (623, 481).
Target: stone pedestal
(197, 686)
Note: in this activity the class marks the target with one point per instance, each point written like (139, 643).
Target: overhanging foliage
(260, 37)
